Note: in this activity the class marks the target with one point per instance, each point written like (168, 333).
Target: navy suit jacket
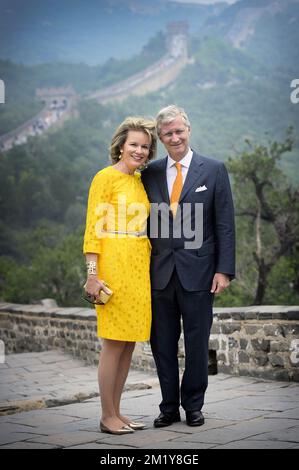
(197, 265)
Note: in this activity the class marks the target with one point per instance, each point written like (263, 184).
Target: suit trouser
(195, 308)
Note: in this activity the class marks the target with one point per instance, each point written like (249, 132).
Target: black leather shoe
(194, 418)
(166, 419)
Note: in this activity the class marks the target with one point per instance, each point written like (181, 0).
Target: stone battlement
(258, 341)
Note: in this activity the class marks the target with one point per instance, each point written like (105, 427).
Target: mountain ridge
(78, 31)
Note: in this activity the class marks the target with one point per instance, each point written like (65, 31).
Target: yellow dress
(118, 202)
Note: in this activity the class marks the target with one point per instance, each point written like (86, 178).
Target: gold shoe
(122, 430)
(136, 426)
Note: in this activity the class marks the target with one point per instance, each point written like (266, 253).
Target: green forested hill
(43, 193)
(21, 81)
(229, 96)
(272, 27)
(229, 93)
(90, 32)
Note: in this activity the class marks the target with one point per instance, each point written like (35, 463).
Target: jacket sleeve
(224, 224)
(99, 196)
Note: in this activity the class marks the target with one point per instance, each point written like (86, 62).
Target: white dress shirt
(171, 170)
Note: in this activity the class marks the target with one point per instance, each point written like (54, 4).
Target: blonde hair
(141, 124)
(168, 114)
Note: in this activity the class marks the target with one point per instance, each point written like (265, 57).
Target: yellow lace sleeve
(99, 193)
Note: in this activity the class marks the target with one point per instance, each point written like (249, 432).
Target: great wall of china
(61, 103)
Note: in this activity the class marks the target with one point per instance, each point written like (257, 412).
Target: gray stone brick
(260, 358)
(214, 344)
(224, 344)
(273, 330)
(233, 342)
(251, 316)
(276, 360)
(224, 315)
(224, 369)
(243, 343)
(221, 357)
(245, 370)
(243, 357)
(251, 329)
(294, 375)
(216, 329)
(260, 344)
(279, 346)
(230, 328)
(276, 375)
(292, 315)
(264, 316)
(291, 329)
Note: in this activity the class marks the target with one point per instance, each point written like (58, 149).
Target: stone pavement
(49, 400)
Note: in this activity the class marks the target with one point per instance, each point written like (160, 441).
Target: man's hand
(220, 282)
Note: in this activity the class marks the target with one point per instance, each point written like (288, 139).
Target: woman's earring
(119, 157)
(144, 166)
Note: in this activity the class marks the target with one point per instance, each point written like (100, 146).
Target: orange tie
(176, 189)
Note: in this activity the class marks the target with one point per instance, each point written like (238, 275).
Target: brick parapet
(260, 341)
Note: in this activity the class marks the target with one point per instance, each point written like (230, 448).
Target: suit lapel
(194, 172)
(161, 180)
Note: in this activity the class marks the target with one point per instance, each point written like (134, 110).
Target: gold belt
(123, 232)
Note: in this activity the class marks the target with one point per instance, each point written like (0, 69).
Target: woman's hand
(93, 286)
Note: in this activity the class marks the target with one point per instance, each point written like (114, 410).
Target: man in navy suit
(193, 258)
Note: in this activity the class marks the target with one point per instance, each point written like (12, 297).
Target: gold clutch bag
(104, 297)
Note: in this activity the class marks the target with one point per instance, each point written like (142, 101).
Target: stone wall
(256, 341)
(260, 341)
(32, 328)
(157, 76)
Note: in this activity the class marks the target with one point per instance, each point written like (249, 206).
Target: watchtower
(177, 34)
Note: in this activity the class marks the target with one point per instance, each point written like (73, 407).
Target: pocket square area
(201, 188)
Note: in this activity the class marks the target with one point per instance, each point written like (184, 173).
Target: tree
(55, 268)
(269, 204)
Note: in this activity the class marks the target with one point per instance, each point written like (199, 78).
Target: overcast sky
(206, 2)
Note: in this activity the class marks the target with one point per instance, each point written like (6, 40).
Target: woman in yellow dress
(117, 253)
